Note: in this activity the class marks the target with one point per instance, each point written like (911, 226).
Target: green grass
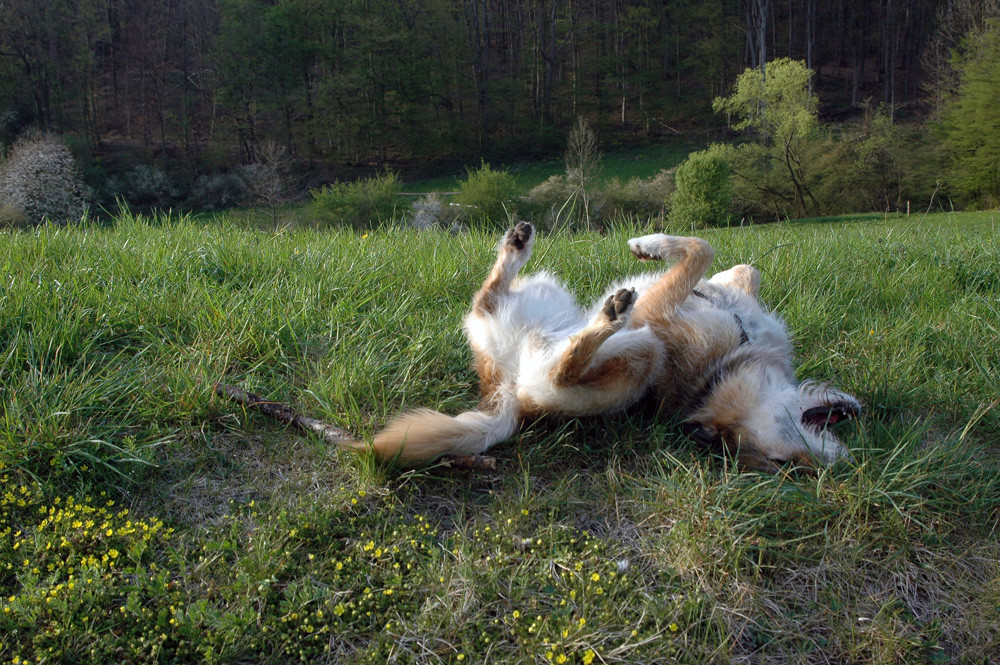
(144, 519)
(643, 162)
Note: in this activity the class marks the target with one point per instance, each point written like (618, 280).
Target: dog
(705, 349)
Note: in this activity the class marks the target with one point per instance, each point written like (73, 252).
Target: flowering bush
(39, 181)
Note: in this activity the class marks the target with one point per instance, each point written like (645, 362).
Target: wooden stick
(329, 433)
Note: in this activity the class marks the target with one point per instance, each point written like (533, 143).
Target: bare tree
(583, 162)
(264, 179)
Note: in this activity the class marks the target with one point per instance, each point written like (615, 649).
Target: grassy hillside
(144, 519)
(642, 162)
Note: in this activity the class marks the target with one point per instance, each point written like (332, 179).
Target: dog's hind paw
(618, 306)
(520, 236)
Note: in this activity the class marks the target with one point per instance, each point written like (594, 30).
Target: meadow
(144, 519)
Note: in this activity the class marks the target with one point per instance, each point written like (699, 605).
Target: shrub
(550, 201)
(39, 181)
(433, 211)
(218, 191)
(640, 197)
(359, 204)
(489, 195)
(149, 186)
(704, 193)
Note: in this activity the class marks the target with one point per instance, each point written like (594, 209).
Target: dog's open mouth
(821, 417)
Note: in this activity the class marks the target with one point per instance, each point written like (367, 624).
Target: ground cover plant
(144, 519)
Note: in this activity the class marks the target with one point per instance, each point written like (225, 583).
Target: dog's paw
(618, 306)
(654, 247)
(520, 237)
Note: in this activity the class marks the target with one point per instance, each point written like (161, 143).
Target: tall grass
(144, 519)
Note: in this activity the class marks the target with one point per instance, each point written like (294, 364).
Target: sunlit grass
(608, 540)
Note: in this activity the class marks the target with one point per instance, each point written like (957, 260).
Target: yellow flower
(674, 627)
(595, 577)
(561, 658)
(588, 657)
(516, 615)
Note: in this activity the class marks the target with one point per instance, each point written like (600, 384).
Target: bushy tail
(420, 436)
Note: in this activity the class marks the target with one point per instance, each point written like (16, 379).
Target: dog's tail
(421, 436)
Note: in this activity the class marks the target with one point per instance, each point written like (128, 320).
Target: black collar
(744, 339)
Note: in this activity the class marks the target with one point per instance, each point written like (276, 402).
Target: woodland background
(181, 89)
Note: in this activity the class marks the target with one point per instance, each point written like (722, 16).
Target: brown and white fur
(705, 349)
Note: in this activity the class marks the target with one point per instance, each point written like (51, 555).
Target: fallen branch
(329, 433)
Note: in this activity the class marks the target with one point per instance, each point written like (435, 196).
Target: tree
(583, 162)
(781, 111)
(972, 119)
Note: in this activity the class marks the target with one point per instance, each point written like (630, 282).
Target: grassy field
(143, 519)
(643, 162)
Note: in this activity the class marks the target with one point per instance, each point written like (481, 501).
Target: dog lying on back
(704, 349)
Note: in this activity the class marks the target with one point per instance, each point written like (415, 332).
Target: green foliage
(704, 194)
(780, 109)
(972, 118)
(777, 106)
(490, 196)
(360, 204)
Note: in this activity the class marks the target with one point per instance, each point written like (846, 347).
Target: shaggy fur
(704, 349)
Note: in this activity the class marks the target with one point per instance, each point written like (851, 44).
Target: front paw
(520, 237)
(618, 306)
(649, 248)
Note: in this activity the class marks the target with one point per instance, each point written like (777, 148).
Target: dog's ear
(703, 434)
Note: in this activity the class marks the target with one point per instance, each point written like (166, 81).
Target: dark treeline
(201, 84)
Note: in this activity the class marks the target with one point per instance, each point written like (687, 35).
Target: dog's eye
(705, 435)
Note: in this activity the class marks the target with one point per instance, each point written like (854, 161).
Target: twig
(331, 434)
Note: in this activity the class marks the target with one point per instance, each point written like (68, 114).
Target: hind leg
(743, 277)
(577, 357)
(693, 256)
(513, 253)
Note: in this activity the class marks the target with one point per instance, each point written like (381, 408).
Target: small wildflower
(588, 657)
(674, 627)
(595, 577)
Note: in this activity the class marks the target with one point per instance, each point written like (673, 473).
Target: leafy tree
(779, 108)
(972, 119)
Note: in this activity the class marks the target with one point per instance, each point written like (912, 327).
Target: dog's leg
(513, 253)
(693, 255)
(576, 359)
(742, 277)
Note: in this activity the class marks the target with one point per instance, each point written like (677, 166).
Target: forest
(196, 87)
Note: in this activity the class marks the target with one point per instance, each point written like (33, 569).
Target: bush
(643, 198)
(359, 204)
(704, 192)
(39, 181)
(149, 186)
(432, 211)
(219, 191)
(489, 196)
(550, 201)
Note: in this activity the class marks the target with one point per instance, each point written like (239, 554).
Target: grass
(643, 162)
(143, 519)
